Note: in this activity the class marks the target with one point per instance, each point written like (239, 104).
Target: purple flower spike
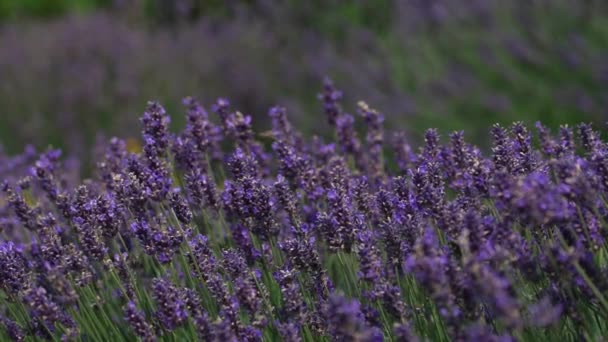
(172, 311)
(346, 321)
(330, 98)
(155, 131)
(137, 321)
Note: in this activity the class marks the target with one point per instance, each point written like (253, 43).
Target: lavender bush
(221, 234)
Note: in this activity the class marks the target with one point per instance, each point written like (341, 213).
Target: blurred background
(70, 69)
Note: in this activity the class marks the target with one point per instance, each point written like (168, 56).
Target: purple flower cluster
(213, 234)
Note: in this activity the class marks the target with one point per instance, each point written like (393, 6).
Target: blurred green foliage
(328, 16)
(538, 86)
(528, 84)
(14, 9)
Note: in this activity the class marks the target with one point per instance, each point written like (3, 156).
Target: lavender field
(210, 179)
(208, 235)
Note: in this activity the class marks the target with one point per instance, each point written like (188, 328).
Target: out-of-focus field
(71, 69)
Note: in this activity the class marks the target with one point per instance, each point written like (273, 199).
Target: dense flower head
(211, 234)
(114, 159)
(180, 207)
(371, 263)
(44, 170)
(201, 190)
(347, 322)
(281, 127)
(137, 321)
(171, 304)
(157, 238)
(200, 130)
(44, 310)
(294, 307)
(330, 98)
(24, 212)
(14, 268)
(155, 123)
(13, 330)
(347, 135)
(222, 108)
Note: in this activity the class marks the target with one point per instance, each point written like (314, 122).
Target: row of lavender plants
(443, 63)
(220, 234)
